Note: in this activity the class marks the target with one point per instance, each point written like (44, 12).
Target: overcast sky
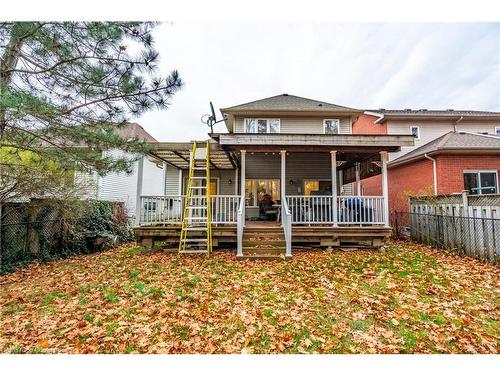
(433, 66)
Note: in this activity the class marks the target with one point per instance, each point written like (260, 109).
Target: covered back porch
(297, 172)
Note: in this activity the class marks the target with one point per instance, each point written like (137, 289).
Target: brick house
(454, 150)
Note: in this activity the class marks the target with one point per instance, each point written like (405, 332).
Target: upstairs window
(331, 126)
(262, 125)
(481, 182)
(415, 131)
(497, 130)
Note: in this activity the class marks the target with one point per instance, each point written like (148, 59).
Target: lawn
(408, 299)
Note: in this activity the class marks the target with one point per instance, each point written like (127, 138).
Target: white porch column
(138, 203)
(243, 178)
(333, 156)
(358, 183)
(283, 174)
(236, 181)
(385, 189)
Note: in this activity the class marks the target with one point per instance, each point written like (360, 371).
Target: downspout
(434, 170)
(456, 122)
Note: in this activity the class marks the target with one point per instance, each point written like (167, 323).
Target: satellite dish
(211, 119)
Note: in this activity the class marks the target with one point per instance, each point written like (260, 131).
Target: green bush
(51, 229)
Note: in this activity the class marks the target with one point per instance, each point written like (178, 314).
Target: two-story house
(454, 151)
(279, 176)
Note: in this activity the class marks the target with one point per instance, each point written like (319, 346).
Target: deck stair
(263, 243)
(196, 230)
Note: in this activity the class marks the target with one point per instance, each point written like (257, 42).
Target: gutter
(456, 122)
(375, 114)
(434, 171)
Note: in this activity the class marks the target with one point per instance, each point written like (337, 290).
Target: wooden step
(271, 243)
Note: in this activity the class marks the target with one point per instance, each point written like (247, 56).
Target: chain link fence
(472, 236)
(40, 232)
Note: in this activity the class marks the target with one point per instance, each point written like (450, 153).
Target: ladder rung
(198, 177)
(202, 251)
(198, 187)
(196, 217)
(196, 228)
(200, 168)
(197, 207)
(194, 240)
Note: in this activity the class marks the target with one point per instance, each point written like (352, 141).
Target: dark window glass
(480, 182)
(488, 183)
(470, 183)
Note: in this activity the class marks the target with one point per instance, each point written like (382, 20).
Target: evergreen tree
(64, 87)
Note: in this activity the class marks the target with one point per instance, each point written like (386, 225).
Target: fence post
(465, 202)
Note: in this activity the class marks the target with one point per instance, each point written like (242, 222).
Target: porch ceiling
(177, 154)
(313, 142)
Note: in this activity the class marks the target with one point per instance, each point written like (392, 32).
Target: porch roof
(312, 142)
(177, 154)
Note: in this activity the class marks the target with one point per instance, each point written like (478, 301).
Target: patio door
(255, 190)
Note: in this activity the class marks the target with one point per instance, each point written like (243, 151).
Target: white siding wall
(122, 187)
(172, 181)
(297, 125)
(430, 130)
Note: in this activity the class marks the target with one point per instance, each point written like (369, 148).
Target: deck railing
(286, 220)
(350, 209)
(167, 209)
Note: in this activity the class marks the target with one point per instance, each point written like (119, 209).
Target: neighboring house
(430, 126)
(304, 155)
(452, 163)
(147, 174)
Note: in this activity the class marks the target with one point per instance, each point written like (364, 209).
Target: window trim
(497, 130)
(478, 172)
(331, 119)
(418, 131)
(268, 124)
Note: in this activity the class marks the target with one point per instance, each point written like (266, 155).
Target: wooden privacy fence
(466, 224)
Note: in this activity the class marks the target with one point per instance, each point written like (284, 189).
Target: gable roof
(134, 130)
(453, 141)
(286, 102)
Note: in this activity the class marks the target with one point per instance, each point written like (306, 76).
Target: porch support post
(385, 188)
(236, 181)
(138, 203)
(243, 179)
(333, 156)
(283, 174)
(358, 183)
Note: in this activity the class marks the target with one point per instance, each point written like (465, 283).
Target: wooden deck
(226, 235)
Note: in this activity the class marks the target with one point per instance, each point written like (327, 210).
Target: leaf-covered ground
(410, 298)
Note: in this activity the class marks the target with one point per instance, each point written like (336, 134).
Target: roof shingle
(286, 102)
(454, 141)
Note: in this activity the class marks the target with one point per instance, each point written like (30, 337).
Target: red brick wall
(365, 125)
(372, 185)
(450, 169)
(415, 179)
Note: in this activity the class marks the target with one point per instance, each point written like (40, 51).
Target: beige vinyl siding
(430, 130)
(172, 181)
(301, 125)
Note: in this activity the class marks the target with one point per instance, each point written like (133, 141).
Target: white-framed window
(331, 126)
(262, 125)
(481, 182)
(497, 130)
(415, 131)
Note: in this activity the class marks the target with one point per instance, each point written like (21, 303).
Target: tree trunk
(8, 62)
